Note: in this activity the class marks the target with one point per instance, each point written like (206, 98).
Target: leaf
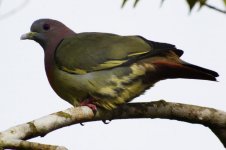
(161, 3)
(135, 3)
(202, 2)
(191, 3)
(123, 3)
(224, 2)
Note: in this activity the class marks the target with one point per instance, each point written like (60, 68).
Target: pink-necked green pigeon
(104, 69)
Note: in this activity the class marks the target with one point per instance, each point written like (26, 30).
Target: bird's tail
(183, 69)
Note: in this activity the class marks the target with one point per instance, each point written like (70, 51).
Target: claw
(105, 121)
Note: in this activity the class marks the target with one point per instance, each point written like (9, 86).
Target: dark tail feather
(204, 70)
(184, 70)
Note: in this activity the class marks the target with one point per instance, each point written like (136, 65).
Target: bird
(105, 70)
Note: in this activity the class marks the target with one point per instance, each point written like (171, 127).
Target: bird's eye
(46, 26)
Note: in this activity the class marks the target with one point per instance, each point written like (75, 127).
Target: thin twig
(15, 10)
(215, 8)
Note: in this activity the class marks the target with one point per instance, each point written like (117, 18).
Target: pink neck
(50, 52)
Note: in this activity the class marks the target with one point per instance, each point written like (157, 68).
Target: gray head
(47, 32)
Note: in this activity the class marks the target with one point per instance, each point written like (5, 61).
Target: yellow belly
(108, 88)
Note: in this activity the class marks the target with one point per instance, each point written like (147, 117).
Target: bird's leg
(88, 102)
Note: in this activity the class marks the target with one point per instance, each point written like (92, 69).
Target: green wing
(87, 52)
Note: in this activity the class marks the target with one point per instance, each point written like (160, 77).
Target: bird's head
(47, 32)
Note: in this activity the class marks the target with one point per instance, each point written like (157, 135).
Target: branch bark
(209, 117)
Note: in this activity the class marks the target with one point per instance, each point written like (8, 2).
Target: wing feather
(87, 52)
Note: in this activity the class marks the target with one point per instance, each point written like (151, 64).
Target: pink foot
(92, 106)
(89, 103)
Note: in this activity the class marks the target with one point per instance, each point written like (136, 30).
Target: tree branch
(215, 8)
(25, 145)
(209, 117)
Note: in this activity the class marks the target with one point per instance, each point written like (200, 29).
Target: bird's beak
(28, 36)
